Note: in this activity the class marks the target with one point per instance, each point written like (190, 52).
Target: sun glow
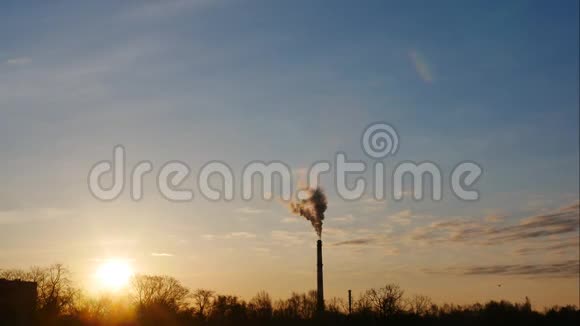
(114, 274)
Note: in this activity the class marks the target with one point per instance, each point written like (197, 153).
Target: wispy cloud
(559, 248)
(263, 252)
(30, 215)
(229, 236)
(495, 218)
(563, 269)
(161, 254)
(249, 210)
(18, 61)
(208, 236)
(559, 222)
(401, 218)
(290, 220)
(377, 240)
(240, 235)
(371, 205)
(355, 242)
(344, 219)
(286, 238)
(164, 9)
(83, 77)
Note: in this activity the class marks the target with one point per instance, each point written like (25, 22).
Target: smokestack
(349, 302)
(313, 208)
(320, 285)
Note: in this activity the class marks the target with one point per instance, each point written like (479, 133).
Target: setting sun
(114, 274)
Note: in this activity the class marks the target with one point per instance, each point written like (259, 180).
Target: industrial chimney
(320, 285)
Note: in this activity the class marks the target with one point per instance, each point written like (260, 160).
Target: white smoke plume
(312, 208)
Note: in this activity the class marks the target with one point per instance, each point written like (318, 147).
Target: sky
(490, 82)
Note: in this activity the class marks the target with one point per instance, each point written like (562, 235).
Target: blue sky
(492, 82)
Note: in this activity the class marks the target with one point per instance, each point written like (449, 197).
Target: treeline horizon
(164, 300)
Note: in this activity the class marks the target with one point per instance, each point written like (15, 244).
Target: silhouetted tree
(228, 309)
(419, 305)
(160, 300)
(260, 306)
(385, 301)
(202, 300)
(159, 290)
(337, 305)
(163, 300)
(298, 306)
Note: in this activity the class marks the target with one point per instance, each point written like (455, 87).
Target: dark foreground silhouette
(163, 300)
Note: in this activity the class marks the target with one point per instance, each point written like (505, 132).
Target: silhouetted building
(17, 302)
